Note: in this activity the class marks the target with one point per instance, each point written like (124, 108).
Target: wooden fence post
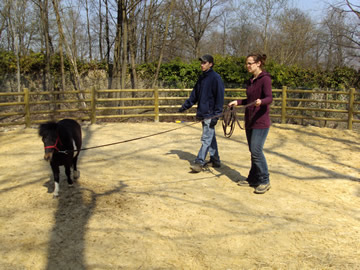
(283, 105)
(27, 107)
(156, 104)
(93, 105)
(351, 107)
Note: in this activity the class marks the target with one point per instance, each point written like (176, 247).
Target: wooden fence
(30, 108)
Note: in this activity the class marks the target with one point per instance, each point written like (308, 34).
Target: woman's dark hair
(258, 58)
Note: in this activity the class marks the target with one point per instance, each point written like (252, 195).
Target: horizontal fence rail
(289, 105)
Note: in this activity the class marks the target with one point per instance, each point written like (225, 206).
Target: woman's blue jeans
(259, 173)
(208, 144)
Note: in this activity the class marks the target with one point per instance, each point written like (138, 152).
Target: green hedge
(179, 74)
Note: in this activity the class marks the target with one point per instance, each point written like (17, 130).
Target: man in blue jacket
(208, 93)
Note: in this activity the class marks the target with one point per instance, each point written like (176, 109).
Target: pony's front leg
(68, 174)
(56, 173)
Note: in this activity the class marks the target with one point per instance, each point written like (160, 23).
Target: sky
(309, 4)
(316, 9)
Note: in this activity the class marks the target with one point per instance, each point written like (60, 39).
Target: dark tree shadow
(66, 245)
(67, 239)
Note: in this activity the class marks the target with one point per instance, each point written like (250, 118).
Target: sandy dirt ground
(137, 206)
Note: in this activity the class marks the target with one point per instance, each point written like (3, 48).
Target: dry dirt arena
(137, 206)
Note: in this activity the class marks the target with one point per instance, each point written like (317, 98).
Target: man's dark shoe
(261, 189)
(196, 167)
(213, 164)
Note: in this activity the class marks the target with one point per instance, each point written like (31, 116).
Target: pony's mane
(47, 128)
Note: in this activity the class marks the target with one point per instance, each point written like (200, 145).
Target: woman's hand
(233, 103)
(258, 102)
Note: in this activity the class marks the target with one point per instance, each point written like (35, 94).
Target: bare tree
(151, 28)
(125, 38)
(196, 17)
(148, 23)
(43, 6)
(349, 29)
(108, 44)
(294, 38)
(224, 24)
(3, 17)
(216, 41)
(163, 43)
(125, 9)
(72, 58)
(241, 33)
(116, 70)
(133, 42)
(18, 31)
(263, 13)
(333, 27)
(16, 26)
(88, 29)
(100, 16)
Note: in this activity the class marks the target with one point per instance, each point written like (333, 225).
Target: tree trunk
(15, 38)
(45, 25)
(148, 32)
(72, 58)
(132, 46)
(108, 46)
(124, 51)
(125, 45)
(88, 28)
(62, 68)
(155, 83)
(100, 32)
(117, 50)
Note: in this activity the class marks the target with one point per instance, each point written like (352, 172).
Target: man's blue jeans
(208, 144)
(259, 173)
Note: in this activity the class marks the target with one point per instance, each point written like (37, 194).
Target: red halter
(55, 145)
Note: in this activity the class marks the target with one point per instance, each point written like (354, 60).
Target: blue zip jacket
(208, 93)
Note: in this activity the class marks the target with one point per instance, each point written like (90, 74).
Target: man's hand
(213, 122)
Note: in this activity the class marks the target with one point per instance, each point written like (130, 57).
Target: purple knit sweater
(258, 117)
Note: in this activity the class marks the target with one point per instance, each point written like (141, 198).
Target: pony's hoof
(76, 174)
(55, 196)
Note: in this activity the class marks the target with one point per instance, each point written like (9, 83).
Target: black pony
(62, 141)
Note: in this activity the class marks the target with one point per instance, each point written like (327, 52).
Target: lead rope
(230, 119)
(133, 139)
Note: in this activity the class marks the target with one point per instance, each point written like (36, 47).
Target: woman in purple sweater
(257, 121)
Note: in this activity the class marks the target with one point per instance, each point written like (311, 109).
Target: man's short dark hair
(207, 58)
